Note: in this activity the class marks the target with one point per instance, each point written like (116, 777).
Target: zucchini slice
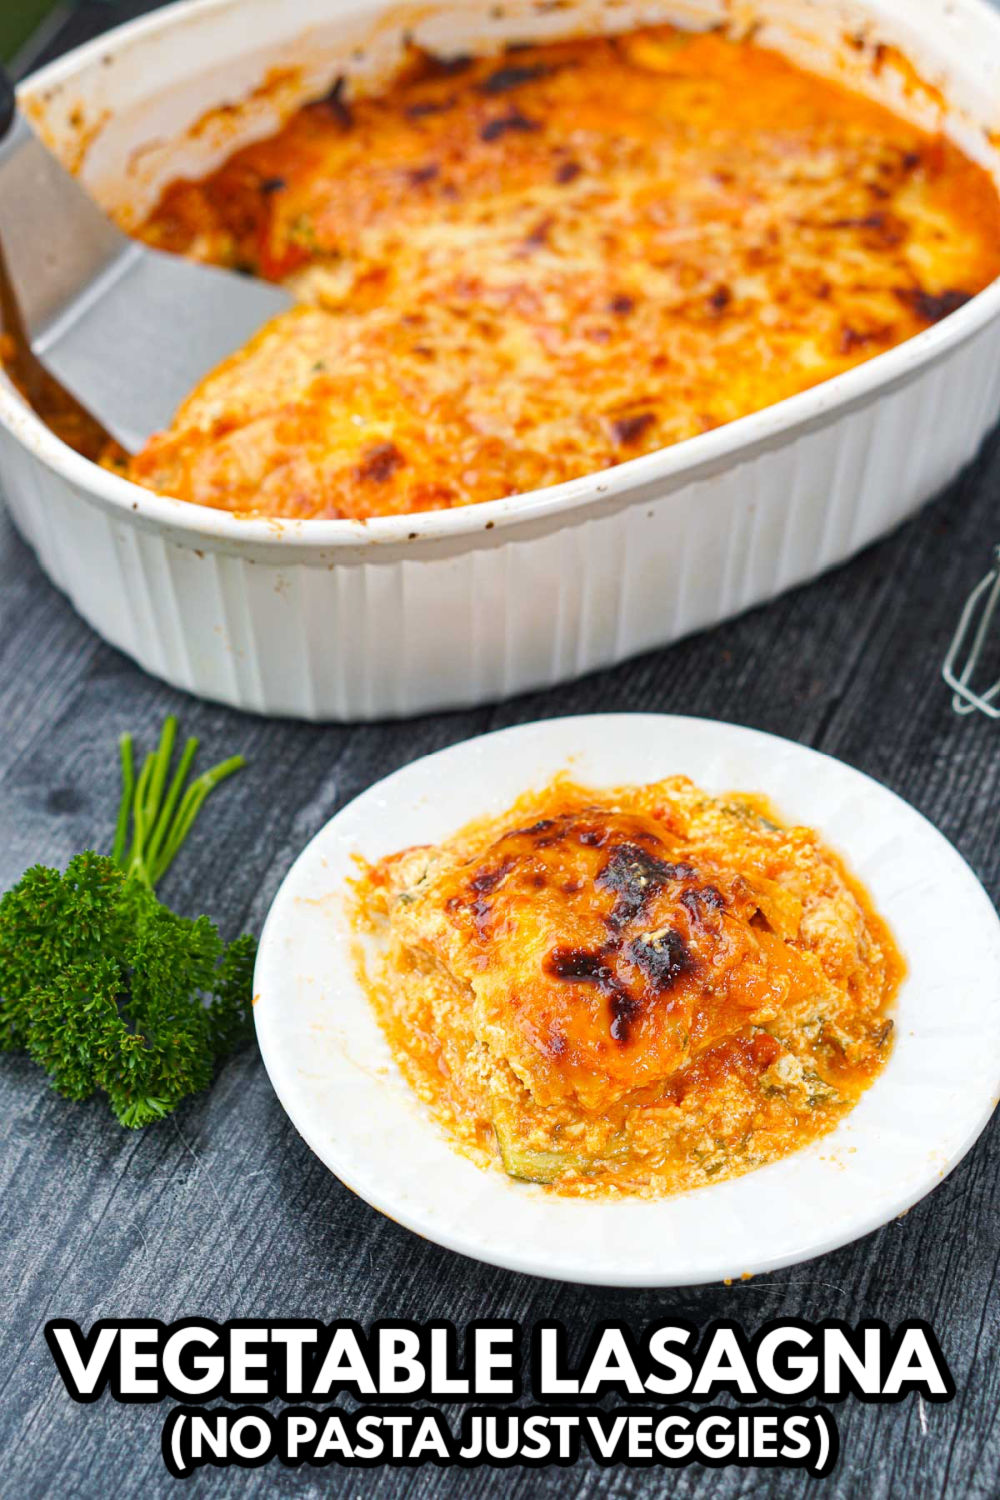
(528, 1163)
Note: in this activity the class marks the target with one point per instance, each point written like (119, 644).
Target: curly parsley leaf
(101, 984)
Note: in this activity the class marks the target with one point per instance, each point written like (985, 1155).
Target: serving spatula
(126, 329)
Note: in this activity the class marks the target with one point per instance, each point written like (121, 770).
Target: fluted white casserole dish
(394, 616)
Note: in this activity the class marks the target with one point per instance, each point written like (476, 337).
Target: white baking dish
(340, 620)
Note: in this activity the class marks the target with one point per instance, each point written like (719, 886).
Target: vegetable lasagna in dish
(635, 991)
(521, 269)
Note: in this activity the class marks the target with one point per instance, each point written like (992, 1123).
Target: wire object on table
(984, 599)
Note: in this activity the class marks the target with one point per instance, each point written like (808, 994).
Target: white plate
(334, 1074)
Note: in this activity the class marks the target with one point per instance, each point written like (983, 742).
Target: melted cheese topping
(633, 991)
(517, 271)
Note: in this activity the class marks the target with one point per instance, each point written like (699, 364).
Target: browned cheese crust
(522, 269)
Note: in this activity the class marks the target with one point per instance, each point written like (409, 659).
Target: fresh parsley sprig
(102, 984)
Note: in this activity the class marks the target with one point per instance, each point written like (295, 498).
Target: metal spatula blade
(126, 329)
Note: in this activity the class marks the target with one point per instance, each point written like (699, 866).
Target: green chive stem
(136, 860)
(191, 805)
(125, 805)
(155, 841)
(161, 808)
(161, 765)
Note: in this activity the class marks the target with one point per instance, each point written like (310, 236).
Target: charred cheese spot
(636, 877)
(380, 462)
(505, 79)
(628, 430)
(661, 957)
(335, 105)
(503, 124)
(933, 307)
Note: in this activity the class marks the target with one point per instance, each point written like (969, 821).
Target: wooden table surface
(223, 1211)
